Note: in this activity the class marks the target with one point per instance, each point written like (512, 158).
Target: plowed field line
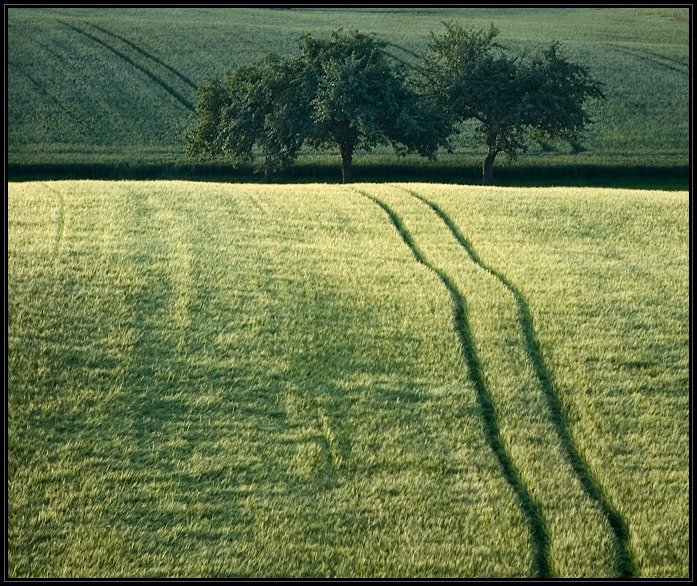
(539, 538)
(142, 51)
(169, 89)
(655, 59)
(624, 562)
(41, 89)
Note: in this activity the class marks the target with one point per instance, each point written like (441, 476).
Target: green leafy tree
(257, 110)
(514, 99)
(361, 99)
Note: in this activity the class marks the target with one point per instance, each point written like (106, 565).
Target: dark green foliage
(340, 92)
(555, 92)
(205, 139)
(512, 98)
(347, 92)
(362, 100)
(257, 107)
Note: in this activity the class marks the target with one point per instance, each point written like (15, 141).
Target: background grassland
(102, 92)
(235, 380)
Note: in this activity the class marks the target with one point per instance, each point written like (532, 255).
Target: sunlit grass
(218, 380)
(605, 274)
(212, 381)
(524, 421)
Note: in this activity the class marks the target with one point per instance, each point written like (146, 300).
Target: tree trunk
(346, 153)
(268, 173)
(488, 168)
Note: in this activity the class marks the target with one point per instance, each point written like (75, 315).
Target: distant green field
(395, 380)
(103, 91)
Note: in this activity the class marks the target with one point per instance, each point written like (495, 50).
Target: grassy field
(391, 380)
(102, 92)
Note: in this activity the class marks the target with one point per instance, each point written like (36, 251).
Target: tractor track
(41, 89)
(539, 538)
(143, 52)
(624, 563)
(154, 77)
(655, 59)
(60, 221)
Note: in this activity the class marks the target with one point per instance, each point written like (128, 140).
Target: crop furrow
(624, 563)
(142, 51)
(540, 565)
(656, 59)
(329, 438)
(169, 89)
(60, 221)
(41, 89)
(684, 65)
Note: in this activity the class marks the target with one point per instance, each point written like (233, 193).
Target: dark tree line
(347, 93)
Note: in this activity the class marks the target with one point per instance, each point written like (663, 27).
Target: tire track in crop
(168, 88)
(330, 440)
(318, 452)
(655, 58)
(624, 563)
(60, 221)
(131, 44)
(540, 543)
(42, 90)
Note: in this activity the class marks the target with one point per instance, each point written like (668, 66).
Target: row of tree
(348, 92)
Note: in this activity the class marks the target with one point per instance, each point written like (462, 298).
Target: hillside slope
(117, 84)
(377, 380)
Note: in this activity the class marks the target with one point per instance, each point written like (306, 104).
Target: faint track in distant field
(540, 542)
(624, 563)
(42, 90)
(142, 51)
(656, 59)
(149, 73)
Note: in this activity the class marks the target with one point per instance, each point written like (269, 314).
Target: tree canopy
(346, 92)
(260, 107)
(514, 99)
(362, 99)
